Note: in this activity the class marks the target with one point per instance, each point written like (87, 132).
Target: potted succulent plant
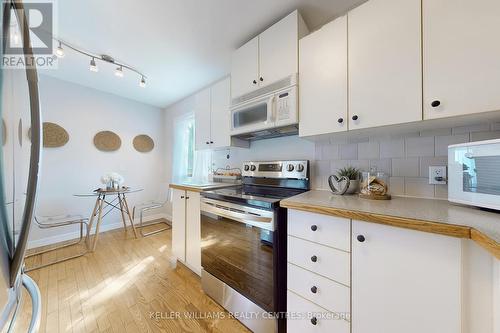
(352, 174)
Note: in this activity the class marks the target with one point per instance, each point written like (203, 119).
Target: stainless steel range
(243, 232)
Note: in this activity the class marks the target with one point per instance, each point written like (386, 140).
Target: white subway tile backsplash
(470, 129)
(480, 136)
(405, 167)
(349, 151)
(418, 187)
(404, 157)
(392, 148)
(397, 185)
(442, 142)
(419, 146)
(426, 162)
(369, 150)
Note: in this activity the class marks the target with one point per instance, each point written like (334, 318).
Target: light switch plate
(437, 175)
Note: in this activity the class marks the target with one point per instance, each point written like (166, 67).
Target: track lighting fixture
(93, 66)
(119, 71)
(60, 51)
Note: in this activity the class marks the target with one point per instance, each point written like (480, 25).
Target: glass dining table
(106, 202)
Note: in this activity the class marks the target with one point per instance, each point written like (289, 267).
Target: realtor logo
(33, 19)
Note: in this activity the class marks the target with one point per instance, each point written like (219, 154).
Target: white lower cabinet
(186, 232)
(404, 280)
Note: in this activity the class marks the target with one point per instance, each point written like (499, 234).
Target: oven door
(237, 248)
(475, 174)
(254, 115)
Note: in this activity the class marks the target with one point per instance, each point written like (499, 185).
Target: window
(183, 152)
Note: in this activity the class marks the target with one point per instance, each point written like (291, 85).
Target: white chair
(55, 221)
(150, 205)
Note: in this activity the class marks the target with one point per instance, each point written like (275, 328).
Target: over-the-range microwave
(269, 109)
(474, 173)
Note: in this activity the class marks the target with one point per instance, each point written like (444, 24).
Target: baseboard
(104, 227)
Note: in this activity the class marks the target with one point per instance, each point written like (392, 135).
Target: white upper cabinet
(323, 79)
(202, 119)
(404, 280)
(245, 68)
(278, 45)
(385, 73)
(269, 57)
(220, 114)
(461, 57)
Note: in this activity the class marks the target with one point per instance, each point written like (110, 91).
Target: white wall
(78, 166)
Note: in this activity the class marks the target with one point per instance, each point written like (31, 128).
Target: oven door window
(481, 174)
(239, 255)
(249, 116)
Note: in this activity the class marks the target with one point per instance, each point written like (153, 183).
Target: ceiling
(180, 45)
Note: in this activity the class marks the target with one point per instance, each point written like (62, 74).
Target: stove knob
(253, 167)
(300, 167)
(290, 167)
(246, 167)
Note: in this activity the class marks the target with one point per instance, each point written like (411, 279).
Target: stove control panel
(277, 169)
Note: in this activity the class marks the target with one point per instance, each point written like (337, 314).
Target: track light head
(93, 66)
(119, 71)
(60, 51)
(142, 84)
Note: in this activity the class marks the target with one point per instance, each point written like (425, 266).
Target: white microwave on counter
(474, 173)
(267, 111)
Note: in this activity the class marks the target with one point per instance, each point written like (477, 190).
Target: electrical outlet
(437, 175)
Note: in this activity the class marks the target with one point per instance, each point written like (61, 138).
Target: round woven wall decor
(54, 136)
(143, 143)
(107, 141)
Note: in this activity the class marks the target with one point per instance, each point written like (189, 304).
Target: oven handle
(226, 212)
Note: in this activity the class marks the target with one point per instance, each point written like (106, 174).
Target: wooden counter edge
(452, 230)
(186, 188)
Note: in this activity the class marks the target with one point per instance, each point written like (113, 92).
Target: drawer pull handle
(314, 227)
(361, 238)
(314, 289)
(314, 320)
(314, 258)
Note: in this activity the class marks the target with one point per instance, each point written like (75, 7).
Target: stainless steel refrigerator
(20, 142)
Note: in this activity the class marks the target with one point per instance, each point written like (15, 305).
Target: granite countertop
(430, 215)
(200, 187)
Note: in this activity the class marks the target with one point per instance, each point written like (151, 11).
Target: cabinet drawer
(301, 315)
(327, 230)
(331, 295)
(326, 261)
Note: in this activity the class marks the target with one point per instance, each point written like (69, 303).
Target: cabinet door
(385, 73)
(245, 68)
(193, 232)
(179, 224)
(278, 50)
(323, 80)
(404, 280)
(202, 119)
(461, 57)
(220, 114)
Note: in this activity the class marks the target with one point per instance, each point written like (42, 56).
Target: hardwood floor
(127, 285)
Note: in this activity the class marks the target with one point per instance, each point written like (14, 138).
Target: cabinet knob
(435, 104)
(314, 320)
(314, 227)
(187, 197)
(314, 289)
(314, 258)
(182, 197)
(207, 143)
(261, 79)
(361, 238)
(340, 120)
(254, 81)
(355, 117)
(211, 142)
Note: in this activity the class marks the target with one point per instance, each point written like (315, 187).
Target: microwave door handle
(241, 217)
(271, 104)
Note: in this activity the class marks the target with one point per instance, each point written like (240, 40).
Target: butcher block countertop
(429, 215)
(200, 187)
